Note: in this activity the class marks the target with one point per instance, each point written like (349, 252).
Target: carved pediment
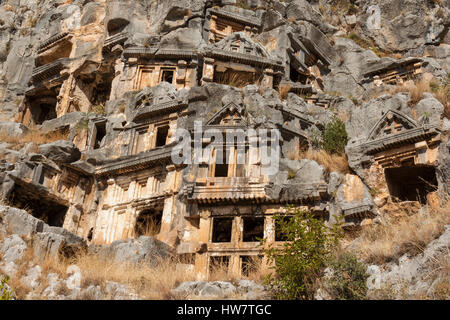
(392, 122)
(240, 42)
(229, 115)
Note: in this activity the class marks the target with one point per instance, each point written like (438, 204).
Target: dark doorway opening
(411, 183)
(167, 75)
(99, 134)
(222, 229)
(296, 76)
(253, 229)
(90, 234)
(42, 106)
(161, 136)
(148, 223)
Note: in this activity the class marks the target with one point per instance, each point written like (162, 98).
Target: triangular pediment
(229, 115)
(392, 122)
(240, 42)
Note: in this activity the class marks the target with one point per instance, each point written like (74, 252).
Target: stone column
(212, 28)
(208, 70)
(181, 74)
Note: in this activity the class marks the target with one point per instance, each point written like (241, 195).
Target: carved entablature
(301, 193)
(223, 22)
(239, 47)
(50, 72)
(239, 61)
(53, 41)
(394, 72)
(128, 164)
(229, 115)
(146, 67)
(147, 109)
(396, 139)
(391, 123)
(353, 215)
(114, 41)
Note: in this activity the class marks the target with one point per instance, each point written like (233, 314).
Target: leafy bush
(5, 292)
(348, 279)
(99, 109)
(299, 263)
(334, 136)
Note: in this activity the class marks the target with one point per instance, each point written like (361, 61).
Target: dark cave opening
(411, 183)
(44, 208)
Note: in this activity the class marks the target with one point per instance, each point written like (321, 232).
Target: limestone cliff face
(116, 81)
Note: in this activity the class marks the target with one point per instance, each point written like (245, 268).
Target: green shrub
(300, 262)
(334, 136)
(99, 109)
(5, 292)
(348, 279)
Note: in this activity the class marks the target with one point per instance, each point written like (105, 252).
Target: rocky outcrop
(413, 277)
(141, 250)
(220, 289)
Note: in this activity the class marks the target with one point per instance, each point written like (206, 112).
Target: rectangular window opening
(219, 264)
(167, 75)
(411, 183)
(222, 229)
(100, 134)
(279, 235)
(250, 265)
(186, 258)
(221, 170)
(253, 229)
(161, 136)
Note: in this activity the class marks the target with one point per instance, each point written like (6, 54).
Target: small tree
(301, 260)
(334, 136)
(349, 278)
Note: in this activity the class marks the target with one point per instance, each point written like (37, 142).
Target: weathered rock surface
(60, 151)
(412, 277)
(220, 289)
(141, 250)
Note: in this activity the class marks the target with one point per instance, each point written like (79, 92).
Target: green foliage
(349, 278)
(291, 174)
(334, 136)
(5, 291)
(299, 263)
(99, 109)
(83, 124)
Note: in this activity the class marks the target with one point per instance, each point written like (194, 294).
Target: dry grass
(35, 136)
(238, 79)
(150, 228)
(401, 233)
(331, 162)
(284, 91)
(149, 282)
(416, 90)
